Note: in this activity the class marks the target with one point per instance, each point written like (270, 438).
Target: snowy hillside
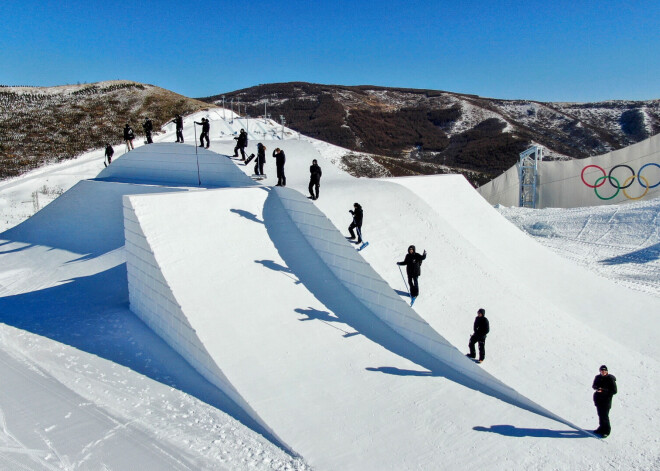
(318, 361)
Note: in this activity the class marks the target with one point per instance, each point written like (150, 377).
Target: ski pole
(404, 281)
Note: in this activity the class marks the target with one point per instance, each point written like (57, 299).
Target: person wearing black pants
(206, 127)
(280, 159)
(605, 386)
(413, 263)
(178, 121)
(261, 159)
(314, 179)
(148, 126)
(109, 152)
(481, 329)
(357, 222)
(241, 144)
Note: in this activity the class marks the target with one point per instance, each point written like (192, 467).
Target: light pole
(283, 121)
(223, 108)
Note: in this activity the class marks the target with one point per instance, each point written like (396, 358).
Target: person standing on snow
(280, 160)
(148, 126)
(605, 386)
(314, 179)
(178, 121)
(413, 263)
(261, 159)
(481, 329)
(129, 135)
(241, 144)
(109, 152)
(357, 222)
(206, 128)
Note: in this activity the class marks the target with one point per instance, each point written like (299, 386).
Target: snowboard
(249, 159)
(254, 176)
(363, 246)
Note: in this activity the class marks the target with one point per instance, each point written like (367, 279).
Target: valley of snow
(87, 385)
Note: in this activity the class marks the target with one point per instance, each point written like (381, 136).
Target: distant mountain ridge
(45, 124)
(433, 131)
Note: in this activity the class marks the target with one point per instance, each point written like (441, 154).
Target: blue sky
(549, 51)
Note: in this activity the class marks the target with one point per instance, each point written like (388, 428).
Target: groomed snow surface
(312, 366)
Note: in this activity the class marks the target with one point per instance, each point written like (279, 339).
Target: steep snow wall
(587, 182)
(177, 165)
(152, 300)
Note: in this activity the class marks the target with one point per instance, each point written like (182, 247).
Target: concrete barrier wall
(569, 184)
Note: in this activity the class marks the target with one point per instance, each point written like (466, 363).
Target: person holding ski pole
(605, 387)
(481, 329)
(109, 152)
(206, 127)
(129, 135)
(314, 180)
(357, 223)
(413, 263)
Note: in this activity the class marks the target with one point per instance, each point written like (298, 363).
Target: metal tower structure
(528, 175)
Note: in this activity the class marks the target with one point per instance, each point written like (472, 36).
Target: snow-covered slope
(322, 374)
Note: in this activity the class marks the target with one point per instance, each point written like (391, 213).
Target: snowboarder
(413, 263)
(109, 152)
(314, 179)
(605, 386)
(357, 223)
(241, 144)
(148, 126)
(280, 159)
(261, 159)
(178, 121)
(206, 128)
(481, 329)
(129, 135)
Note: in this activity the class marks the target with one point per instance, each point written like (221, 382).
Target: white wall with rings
(620, 176)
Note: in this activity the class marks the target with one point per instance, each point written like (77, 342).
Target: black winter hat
(412, 247)
(603, 367)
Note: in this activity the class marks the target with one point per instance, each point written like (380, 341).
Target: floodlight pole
(223, 108)
(283, 121)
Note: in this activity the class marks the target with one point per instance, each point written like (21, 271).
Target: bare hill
(431, 131)
(45, 124)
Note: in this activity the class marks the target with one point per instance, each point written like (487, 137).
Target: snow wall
(153, 301)
(175, 165)
(168, 307)
(626, 174)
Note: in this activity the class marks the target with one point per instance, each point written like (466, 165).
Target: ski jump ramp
(627, 174)
(258, 290)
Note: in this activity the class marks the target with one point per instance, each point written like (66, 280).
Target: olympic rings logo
(600, 181)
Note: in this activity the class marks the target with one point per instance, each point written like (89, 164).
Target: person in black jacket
(314, 179)
(148, 126)
(605, 386)
(241, 144)
(280, 159)
(206, 128)
(178, 121)
(261, 159)
(413, 263)
(109, 152)
(481, 329)
(129, 135)
(357, 222)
